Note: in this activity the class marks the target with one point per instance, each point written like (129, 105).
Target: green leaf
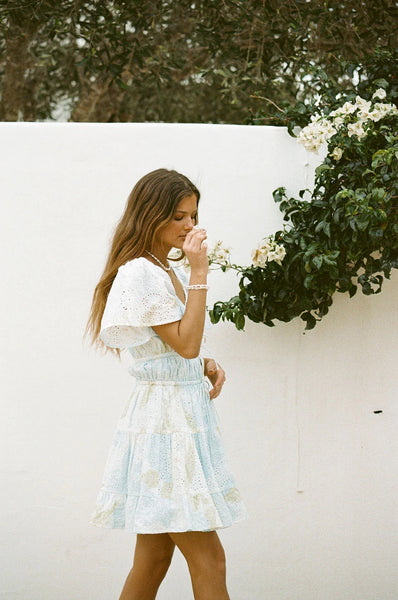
(378, 158)
(310, 320)
(321, 169)
(279, 194)
(383, 83)
(317, 261)
(376, 234)
(362, 224)
(353, 224)
(352, 290)
(302, 192)
(240, 321)
(216, 312)
(336, 214)
(308, 281)
(213, 317)
(378, 194)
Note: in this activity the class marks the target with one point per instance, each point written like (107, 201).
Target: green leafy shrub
(346, 235)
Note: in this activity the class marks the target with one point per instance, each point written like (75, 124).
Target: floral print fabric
(166, 469)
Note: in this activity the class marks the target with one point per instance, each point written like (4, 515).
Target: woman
(166, 477)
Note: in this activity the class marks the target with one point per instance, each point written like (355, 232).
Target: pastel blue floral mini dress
(166, 469)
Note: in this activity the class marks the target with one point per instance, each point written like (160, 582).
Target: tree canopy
(177, 61)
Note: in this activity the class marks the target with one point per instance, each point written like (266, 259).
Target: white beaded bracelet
(197, 286)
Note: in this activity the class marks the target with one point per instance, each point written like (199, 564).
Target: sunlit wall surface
(315, 463)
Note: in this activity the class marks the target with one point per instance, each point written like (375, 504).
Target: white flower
(380, 94)
(356, 129)
(337, 153)
(316, 133)
(268, 250)
(174, 254)
(361, 102)
(338, 121)
(219, 255)
(326, 127)
(364, 107)
(380, 110)
(348, 108)
(259, 258)
(321, 129)
(361, 105)
(278, 254)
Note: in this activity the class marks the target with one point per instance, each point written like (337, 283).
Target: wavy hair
(150, 206)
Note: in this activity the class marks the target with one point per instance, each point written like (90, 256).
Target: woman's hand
(195, 249)
(215, 375)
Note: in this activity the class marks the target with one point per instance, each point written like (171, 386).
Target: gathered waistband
(141, 359)
(169, 382)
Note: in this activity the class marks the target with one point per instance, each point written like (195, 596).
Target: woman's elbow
(184, 345)
(189, 352)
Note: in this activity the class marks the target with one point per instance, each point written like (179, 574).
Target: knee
(160, 562)
(211, 562)
(219, 562)
(218, 567)
(154, 561)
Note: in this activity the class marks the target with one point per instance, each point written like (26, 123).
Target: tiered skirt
(167, 469)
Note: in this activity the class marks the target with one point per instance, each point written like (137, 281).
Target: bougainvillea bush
(345, 236)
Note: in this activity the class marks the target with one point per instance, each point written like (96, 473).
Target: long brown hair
(150, 206)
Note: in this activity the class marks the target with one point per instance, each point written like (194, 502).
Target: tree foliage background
(199, 61)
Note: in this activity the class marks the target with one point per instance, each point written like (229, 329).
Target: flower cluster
(316, 133)
(268, 250)
(353, 115)
(219, 255)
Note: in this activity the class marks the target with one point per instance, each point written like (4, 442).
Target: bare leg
(206, 561)
(152, 558)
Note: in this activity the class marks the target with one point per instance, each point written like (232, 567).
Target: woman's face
(173, 234)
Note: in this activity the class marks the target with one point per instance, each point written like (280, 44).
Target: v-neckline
(182, 285)
(169, 278)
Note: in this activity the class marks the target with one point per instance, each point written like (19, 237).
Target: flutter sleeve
(141, 296)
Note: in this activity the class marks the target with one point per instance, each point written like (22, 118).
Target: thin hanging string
(210, 354)
(299, 487)
(205, 347)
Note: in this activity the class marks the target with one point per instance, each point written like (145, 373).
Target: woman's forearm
(192, 323)
(185, 336)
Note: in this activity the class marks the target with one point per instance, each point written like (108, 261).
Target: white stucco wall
(314, 463)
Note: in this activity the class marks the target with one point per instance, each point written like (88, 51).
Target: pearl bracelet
(197, 286)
